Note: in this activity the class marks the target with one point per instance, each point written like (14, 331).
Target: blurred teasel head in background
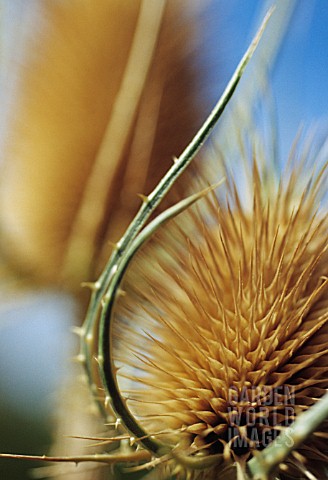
(92, 124)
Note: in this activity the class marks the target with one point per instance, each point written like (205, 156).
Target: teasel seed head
(221, 338)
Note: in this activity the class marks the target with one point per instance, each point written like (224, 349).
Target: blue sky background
(300, 75)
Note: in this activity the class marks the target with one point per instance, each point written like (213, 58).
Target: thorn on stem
(144, 198)
(93, 286)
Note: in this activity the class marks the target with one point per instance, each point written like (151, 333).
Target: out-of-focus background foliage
(35, 340)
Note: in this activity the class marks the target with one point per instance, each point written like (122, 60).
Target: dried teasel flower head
(220, 339)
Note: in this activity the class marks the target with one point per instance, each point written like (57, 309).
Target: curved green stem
(105, 357)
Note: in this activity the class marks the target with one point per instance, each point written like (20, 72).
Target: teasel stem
(135, 456)
(264, 463)
(88, 330)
